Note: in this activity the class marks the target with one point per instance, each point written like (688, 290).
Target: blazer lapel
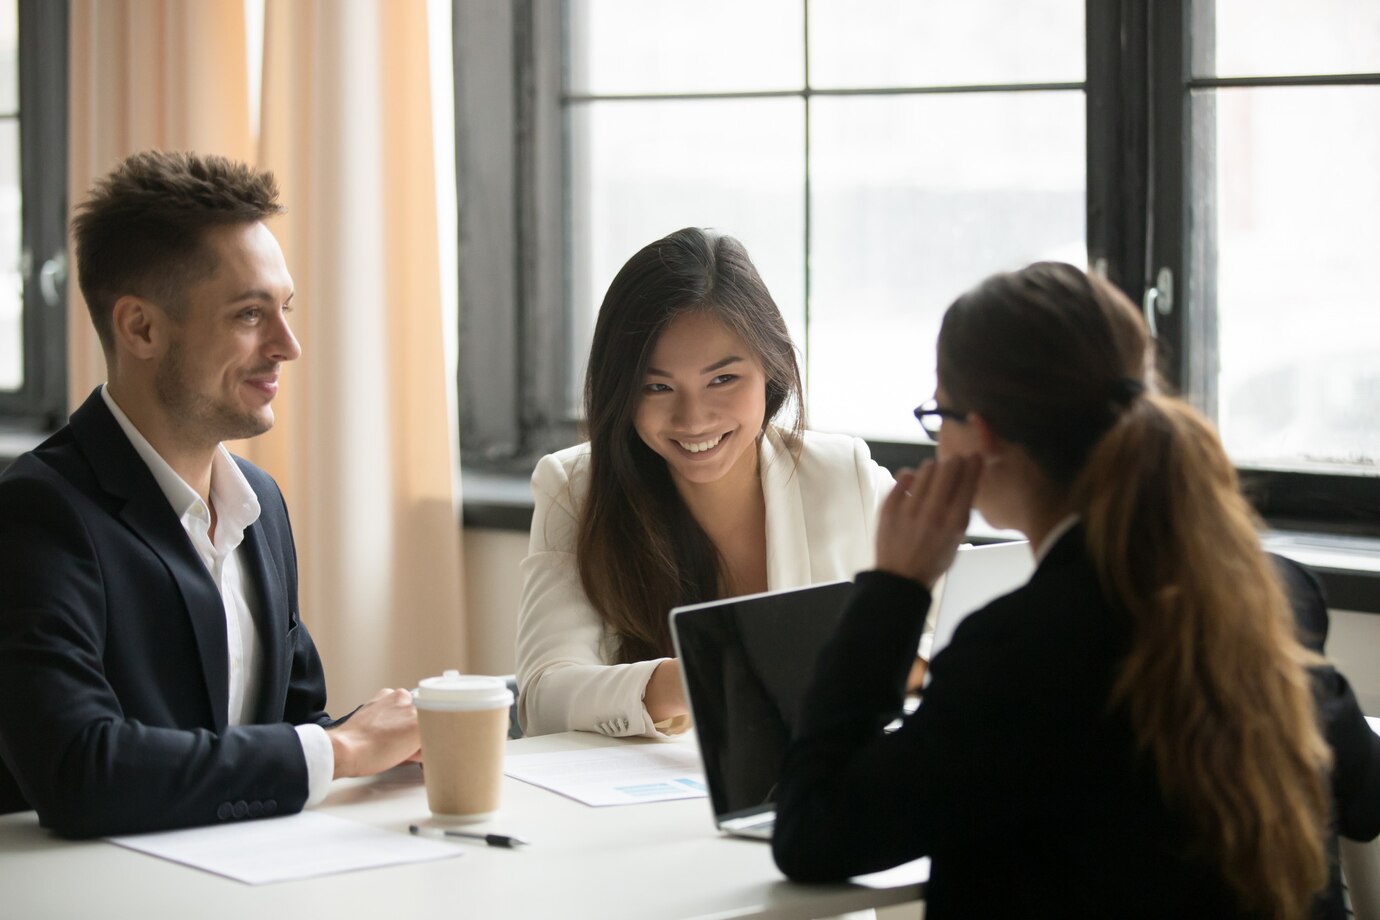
(271, 617)
(146, 512)
(788, 544)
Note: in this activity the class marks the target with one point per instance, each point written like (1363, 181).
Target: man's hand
(378, 735)
(916, 680)
(925, 517)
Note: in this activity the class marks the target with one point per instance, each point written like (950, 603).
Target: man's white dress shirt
(237, 507)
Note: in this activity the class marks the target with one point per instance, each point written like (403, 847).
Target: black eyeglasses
(931, 417)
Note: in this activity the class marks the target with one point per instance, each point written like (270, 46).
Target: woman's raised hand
(925, 517)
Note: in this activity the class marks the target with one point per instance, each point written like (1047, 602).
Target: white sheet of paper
(915, 872)
(623, 775)
(280, 849)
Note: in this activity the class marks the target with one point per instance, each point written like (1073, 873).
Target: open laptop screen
(747, 663)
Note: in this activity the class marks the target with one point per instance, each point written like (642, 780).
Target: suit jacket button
(270, 806)
(256, 809)
(240, 809)
(224, 811)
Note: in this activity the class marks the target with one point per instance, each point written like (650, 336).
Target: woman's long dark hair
(1215, 684)
(640, 552)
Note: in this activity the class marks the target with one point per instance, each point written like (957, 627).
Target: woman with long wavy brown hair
(1132, 733)
(698, 482)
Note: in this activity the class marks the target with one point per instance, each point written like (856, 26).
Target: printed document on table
(622, 775)
(280, 849)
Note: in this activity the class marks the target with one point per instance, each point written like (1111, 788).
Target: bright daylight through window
(1295, 188)
(11, 279)
(869, 184)
(877, 159)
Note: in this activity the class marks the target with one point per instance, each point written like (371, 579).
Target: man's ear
(136, 325)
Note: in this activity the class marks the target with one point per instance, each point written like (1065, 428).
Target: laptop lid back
(746, 663)
(978, 576)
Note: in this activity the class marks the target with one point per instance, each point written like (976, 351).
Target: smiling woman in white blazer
(694, 485)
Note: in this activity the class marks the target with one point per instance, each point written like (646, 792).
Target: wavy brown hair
(1215, 684)
(639, 551)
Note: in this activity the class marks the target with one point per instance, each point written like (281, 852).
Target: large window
(1215, 158)
(1283, 103)
(11, 284)
(33, 177)
(874, 165)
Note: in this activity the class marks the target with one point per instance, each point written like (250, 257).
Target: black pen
(493, 840)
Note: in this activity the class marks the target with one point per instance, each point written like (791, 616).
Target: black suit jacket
(1013, 775)
(113, 665)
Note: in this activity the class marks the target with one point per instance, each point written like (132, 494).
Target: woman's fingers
(952, 494)
(892, 505)
(943, 492)
(925, 517)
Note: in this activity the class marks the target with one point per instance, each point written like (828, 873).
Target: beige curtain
(148, 73)
(362, 446)
(366, 454)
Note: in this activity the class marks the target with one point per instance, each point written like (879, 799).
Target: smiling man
(154, 669)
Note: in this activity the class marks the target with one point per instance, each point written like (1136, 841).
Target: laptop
(978, 576)
(746, 663)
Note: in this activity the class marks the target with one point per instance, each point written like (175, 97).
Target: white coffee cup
(463, 721)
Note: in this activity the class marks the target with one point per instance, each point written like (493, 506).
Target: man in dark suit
(154, 669)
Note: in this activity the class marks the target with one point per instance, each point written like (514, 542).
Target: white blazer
(821, 524)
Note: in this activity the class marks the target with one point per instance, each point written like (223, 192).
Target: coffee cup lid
(453, 690)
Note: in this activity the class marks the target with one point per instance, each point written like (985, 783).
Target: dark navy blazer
(113, 664)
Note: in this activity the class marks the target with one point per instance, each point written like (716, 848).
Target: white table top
(663, 860)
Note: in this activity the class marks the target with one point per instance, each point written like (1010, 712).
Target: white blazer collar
(788, 548)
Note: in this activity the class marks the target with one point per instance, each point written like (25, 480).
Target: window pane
(1297, 196)
(905, 43)
(1286, 37)
(641, 170)
(635, 46)
(11, 282)
(9, 57)
(914, 200)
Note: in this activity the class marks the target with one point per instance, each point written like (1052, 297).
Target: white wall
(493, 584)
(1353, 644)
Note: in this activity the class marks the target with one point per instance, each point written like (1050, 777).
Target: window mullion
(1198, 221)
(43, 188)
(1116, 149)
(488, 262)
(1172, 220)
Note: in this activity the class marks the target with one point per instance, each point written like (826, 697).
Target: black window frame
(40, 405)
(514, 206)
(1346, 505)
(510, 169)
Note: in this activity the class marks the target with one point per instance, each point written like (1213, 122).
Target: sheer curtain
(363, 446)
(143, 74)
(367, 452)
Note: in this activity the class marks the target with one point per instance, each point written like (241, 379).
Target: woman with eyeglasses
(1136, 732)
(698, 482)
